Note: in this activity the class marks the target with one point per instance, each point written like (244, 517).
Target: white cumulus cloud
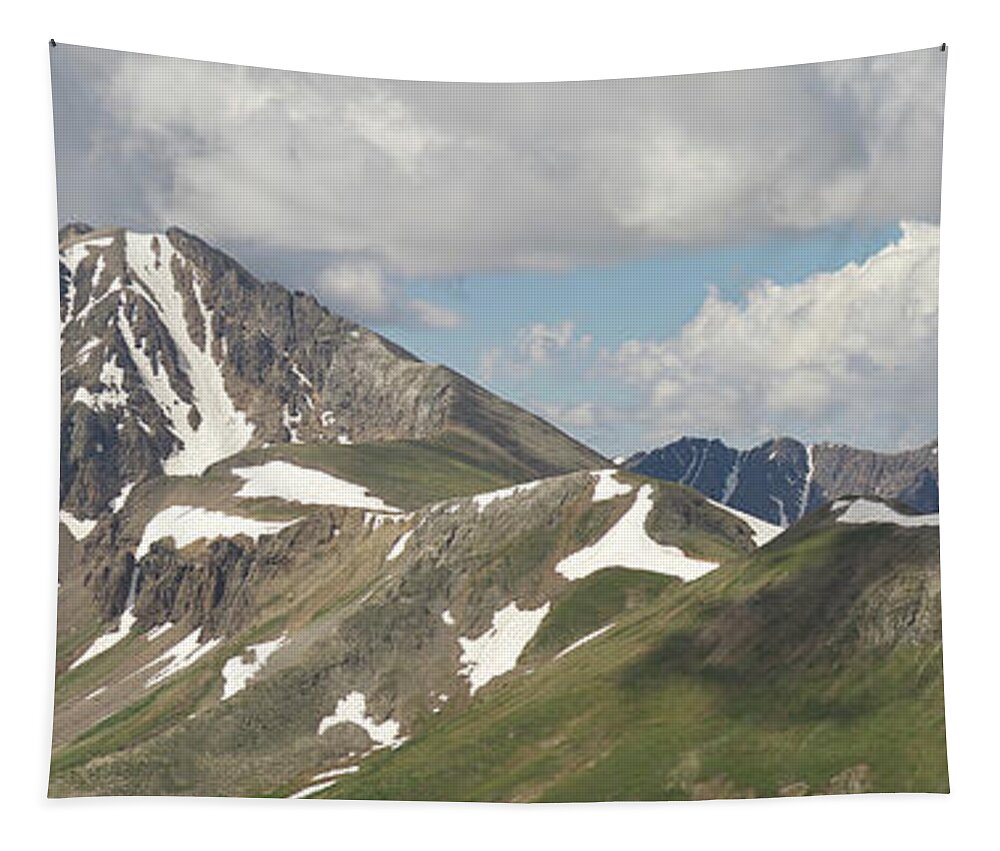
(552, 346)
(850, 356)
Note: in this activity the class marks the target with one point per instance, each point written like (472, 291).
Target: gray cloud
(444, 179)
(362, 291)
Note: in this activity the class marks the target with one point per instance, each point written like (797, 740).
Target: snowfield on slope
(109, 639)
(223, 430)
(608, 487)
(187, 524)
(763, 532)
(182, 655)
(861, 511)
(292, 483)
(627, 545)
(352, 710)
(496, 651)
(236, 673)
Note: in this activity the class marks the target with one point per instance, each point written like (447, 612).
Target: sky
(739, 255)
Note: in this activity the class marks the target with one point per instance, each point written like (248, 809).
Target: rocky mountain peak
(175, 357)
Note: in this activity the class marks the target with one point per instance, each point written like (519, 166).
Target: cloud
(434, 315)
(361, 291)
(849, 356)
(445, 179)
(535, 347)
(541, 344)
(577, 417)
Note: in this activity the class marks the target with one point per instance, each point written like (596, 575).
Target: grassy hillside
(812, 665)
(766, 678)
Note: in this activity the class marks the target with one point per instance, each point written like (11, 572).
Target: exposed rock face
(782, 480)
(910, 477)
(171, 347)
(215, 585)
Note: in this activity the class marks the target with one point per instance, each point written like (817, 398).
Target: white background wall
(512, 40)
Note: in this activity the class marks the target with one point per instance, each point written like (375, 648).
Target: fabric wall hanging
(507, 442)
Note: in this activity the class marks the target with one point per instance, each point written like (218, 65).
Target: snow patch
(337, 772)
(597, 633)
(374, 520)
(112, 394)
(223, 430)
(84, 352)
(236, 673)
(732, 479)
(158, 631)
(807, 485)
(608, 487)
(300, 375)
(782, 516)
(118, 502)
(485, 499)
(182, 655)
(352, 710)
(399, 546)
(312, 790)
(109, 639)
(310, 487)
(763, 532)
(860, 511)
(627, 545)
(187, 524)
(447, 617)
(79, 529)
(290, 422)
(496, 651)
(327, 778)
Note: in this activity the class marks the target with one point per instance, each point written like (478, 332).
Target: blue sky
(647, 299)
(736, 255)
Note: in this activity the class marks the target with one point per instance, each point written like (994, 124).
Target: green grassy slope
(404, 473)
(772, 677)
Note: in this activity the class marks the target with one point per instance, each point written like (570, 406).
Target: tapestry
(514, 442)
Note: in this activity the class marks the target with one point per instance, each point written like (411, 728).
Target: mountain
(296, 561)
(782, 480)
(505, 646)
(175, 358)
